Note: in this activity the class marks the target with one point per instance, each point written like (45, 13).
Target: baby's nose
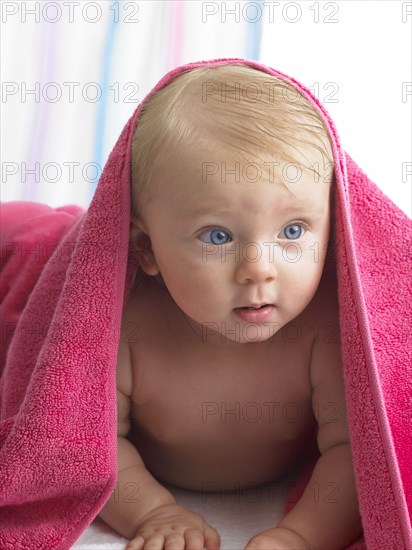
(256, 264)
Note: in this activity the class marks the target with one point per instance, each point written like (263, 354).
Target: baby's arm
(327, 514)
(140, 508)
(136, 492)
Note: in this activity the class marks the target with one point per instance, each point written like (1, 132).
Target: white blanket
(236, 515)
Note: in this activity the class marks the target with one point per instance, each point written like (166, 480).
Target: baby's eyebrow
(303, 211)
(206, 211)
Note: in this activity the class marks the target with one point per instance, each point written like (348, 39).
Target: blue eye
(217, 236)
(293, 231)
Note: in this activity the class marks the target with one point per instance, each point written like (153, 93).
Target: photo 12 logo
(270, 12)
(67, 11)
(51, 172)
(69, 92)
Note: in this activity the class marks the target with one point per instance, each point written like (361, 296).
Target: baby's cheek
(310, 260)
(184, 286)
(300, 281)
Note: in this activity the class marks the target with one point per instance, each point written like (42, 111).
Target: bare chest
(227, 417)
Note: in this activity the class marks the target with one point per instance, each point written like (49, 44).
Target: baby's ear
(143, 247)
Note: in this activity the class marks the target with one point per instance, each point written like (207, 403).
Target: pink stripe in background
(176, 34)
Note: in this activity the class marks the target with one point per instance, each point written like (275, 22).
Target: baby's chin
(237, 332)
(252, 334)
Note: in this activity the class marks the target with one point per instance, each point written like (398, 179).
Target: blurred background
(73, 72)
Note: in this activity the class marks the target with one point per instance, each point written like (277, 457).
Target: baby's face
(223, 245)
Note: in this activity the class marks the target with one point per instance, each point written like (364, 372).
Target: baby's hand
(277, 539)
(172, 527)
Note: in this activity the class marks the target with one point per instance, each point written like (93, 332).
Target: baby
(235, 303)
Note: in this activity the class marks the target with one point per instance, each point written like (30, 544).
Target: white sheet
(237, 515)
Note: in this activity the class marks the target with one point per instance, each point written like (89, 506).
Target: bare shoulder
(126, 369)
(142, 321)
(324, 310)
(132, 315)
(326, 368)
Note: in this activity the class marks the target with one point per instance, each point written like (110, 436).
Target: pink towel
(65, 274)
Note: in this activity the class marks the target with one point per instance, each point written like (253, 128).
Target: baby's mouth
(255, 312)
(254, 307)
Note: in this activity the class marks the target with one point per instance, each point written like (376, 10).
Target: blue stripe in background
(41, 116)
(104, 82)
(254, 30)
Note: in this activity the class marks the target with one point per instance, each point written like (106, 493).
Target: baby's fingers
(193, 539)
(154, 542)
(175, 541)
(136, 543)
(212, 538)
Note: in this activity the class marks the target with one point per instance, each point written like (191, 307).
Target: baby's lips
(255, 306)
(255, 315)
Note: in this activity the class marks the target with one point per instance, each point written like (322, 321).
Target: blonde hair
(249, 114)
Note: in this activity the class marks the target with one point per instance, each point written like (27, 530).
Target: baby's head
(226, 161)
(232, 108)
